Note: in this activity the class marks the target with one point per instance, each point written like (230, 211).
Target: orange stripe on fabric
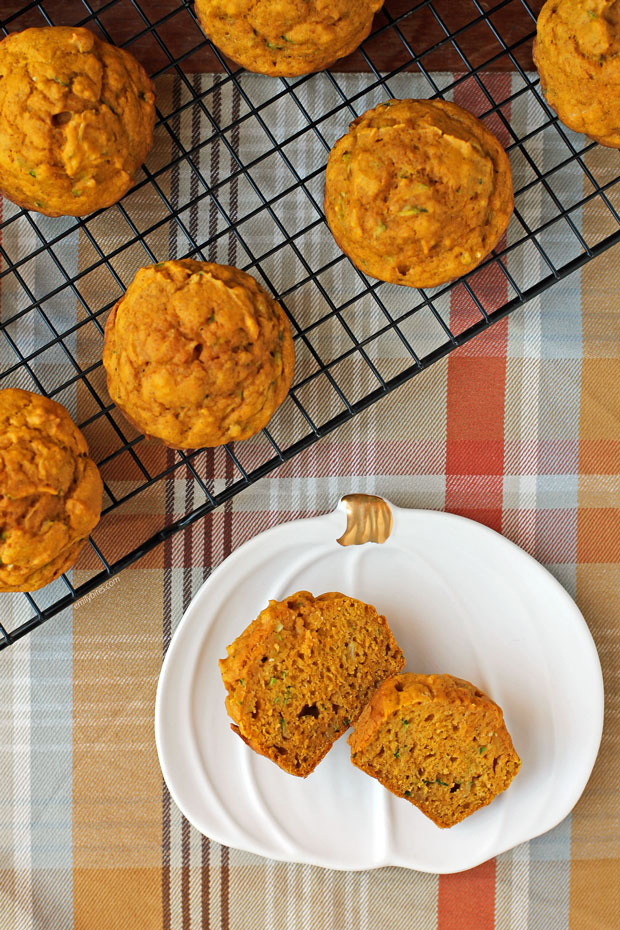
(475, 446)
(598, 536)
(466, 901)
(599, 456)
(477, 372)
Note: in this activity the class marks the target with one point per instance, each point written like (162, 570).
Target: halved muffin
(301, 673)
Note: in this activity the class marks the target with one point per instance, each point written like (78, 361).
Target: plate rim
(250, 846)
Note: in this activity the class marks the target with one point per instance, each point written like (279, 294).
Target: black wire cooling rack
(235, 175)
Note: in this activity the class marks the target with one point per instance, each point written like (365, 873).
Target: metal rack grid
(235, 175)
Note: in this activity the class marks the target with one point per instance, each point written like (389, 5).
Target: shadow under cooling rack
(236, 176)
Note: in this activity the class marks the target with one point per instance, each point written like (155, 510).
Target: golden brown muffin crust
(577, 53)
(438, 742)
(301, 673)
(418, 192)
(198, 354)
(286, 37)
(50, 490)
(76, 120)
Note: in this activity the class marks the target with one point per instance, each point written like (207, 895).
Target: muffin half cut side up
(438, 742)
(300, 674)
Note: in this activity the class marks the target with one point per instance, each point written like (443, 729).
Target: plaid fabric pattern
(519, 429)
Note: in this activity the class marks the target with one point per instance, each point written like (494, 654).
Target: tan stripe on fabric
(116, 775)
(600, 416)
(117, 898)
(401, 894)
(598, 492)
(596, 818)
(594, 894)
(600, 279)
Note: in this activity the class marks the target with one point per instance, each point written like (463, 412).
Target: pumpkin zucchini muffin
(577, 53)
(76, 120)
(286, 37)
(437, 741)
(50, 491)
(418, 192)
(301, 673)
(197, 354)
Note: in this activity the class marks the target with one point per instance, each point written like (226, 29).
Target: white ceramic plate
(459, 598)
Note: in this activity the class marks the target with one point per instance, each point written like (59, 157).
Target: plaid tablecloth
(520, 430)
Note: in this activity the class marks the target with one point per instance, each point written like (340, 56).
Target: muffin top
(198, 354)
(50, 490)
(577, 53)
(286, 37)
(76, 120)
(418, 192)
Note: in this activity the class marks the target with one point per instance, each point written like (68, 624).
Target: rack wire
(235, 175)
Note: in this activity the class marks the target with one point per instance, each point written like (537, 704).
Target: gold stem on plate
(369, 519)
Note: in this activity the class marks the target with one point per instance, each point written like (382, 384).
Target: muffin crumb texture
(198, 354)
(300, 674)
(76, 120)
(286, 37)
(577, 53)
(50, 490)
(438, 742)
(418, 192)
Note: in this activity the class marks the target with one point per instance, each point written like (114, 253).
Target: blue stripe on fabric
(51, 755)
(557, 492)
(51, 694)
(554, 845)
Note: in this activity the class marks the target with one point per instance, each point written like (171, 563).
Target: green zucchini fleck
(411, 210)
(32, 173)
